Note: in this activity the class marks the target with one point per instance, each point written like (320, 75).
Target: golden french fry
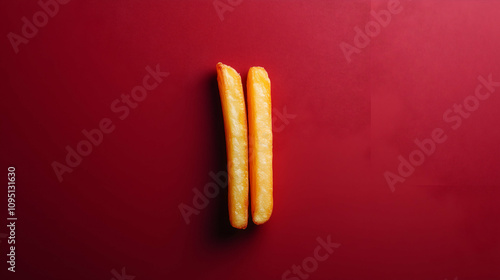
(235, 126)
(261, 144)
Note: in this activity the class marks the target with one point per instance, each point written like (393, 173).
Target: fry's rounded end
(239, 224)
(261, 218)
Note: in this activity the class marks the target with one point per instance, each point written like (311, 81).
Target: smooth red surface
(119, 207)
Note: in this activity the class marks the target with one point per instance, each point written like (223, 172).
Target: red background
(119, 207)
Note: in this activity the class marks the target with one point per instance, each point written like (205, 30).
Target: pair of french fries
(239, 154)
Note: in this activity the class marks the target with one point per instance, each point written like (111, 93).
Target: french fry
(235, 126)
(261, 144)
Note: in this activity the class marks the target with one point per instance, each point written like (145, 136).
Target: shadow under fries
(220, 230)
